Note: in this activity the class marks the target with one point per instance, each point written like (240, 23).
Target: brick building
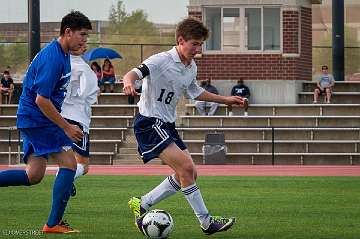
(268, 42)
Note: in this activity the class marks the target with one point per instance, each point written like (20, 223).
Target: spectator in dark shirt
(240, 89)
(7, 87)
(202, 105)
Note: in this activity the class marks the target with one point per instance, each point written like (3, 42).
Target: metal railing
(10, 131)
(207, 129)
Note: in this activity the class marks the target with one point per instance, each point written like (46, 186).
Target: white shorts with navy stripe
(153, 136)
(82, 147)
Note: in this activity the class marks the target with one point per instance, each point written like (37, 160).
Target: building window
(213, 22)
(271, 29)
(231, 26)
(253, 28)
(242, 29)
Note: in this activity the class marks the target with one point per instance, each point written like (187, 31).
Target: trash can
(214, 149)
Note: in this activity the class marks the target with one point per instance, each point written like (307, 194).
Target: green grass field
(266, 207)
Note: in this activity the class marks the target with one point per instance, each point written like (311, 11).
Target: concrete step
(111, 121)
(342, 86)
(286, 109)
(101, 109)
(116, 98)
(258, 146)
(126, 151)
(270, 121)
(236, 133)
(336, 98)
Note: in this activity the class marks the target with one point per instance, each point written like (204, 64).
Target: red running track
(222, 170)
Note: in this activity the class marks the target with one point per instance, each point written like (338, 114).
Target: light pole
(34, 28)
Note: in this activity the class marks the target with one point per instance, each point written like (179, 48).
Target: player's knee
(86, 168)
(187, 172)
(35, 179)
(327, 90)
(68, 165)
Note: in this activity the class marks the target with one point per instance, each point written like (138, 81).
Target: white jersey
(82, 92)
(169, 79)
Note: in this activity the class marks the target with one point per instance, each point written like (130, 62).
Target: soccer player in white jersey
(82, 92)
(166, 77)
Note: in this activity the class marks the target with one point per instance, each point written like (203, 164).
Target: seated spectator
(7, 87)
(202, 105)
(108, 75)
(324, 85)
(240, 89)
(97, 69)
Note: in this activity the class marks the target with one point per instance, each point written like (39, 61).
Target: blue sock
(14, 178)
(61, 195)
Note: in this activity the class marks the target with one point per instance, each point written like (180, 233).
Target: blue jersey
(48, 75)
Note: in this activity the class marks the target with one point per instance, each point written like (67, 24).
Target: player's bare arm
(228, 100)
(129, 79)
(49, 110)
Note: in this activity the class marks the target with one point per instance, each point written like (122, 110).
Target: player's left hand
(129, 88)
(237, 100)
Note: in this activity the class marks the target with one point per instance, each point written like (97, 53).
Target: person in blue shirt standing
(43, 130)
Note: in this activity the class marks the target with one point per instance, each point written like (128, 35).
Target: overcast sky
(159, 11)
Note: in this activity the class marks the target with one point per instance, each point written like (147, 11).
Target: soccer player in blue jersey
(43, 130)
(167, 76)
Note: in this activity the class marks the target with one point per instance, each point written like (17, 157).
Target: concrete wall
(265, 91)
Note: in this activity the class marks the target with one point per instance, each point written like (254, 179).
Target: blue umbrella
(101, 52)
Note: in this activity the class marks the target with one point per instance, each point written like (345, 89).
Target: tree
(135, 23)
(117, 17)
(14, 55)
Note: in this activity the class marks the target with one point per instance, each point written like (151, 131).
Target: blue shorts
(82, 147)
(43, 141)
(110, 79)
(153, 136)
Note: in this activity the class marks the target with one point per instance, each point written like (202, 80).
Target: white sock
(79, 170)
(193, 196)
(165, 189)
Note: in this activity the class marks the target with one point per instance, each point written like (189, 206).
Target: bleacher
(303, 133)
(111, 124)
(347, 92)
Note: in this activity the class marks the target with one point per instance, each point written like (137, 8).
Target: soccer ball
(157, 224)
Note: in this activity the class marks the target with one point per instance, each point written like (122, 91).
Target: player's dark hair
(191, 28)
(75, 20)
(6, 73)
(324, 67)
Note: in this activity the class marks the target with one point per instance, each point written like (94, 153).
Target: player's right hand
(74, 132)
